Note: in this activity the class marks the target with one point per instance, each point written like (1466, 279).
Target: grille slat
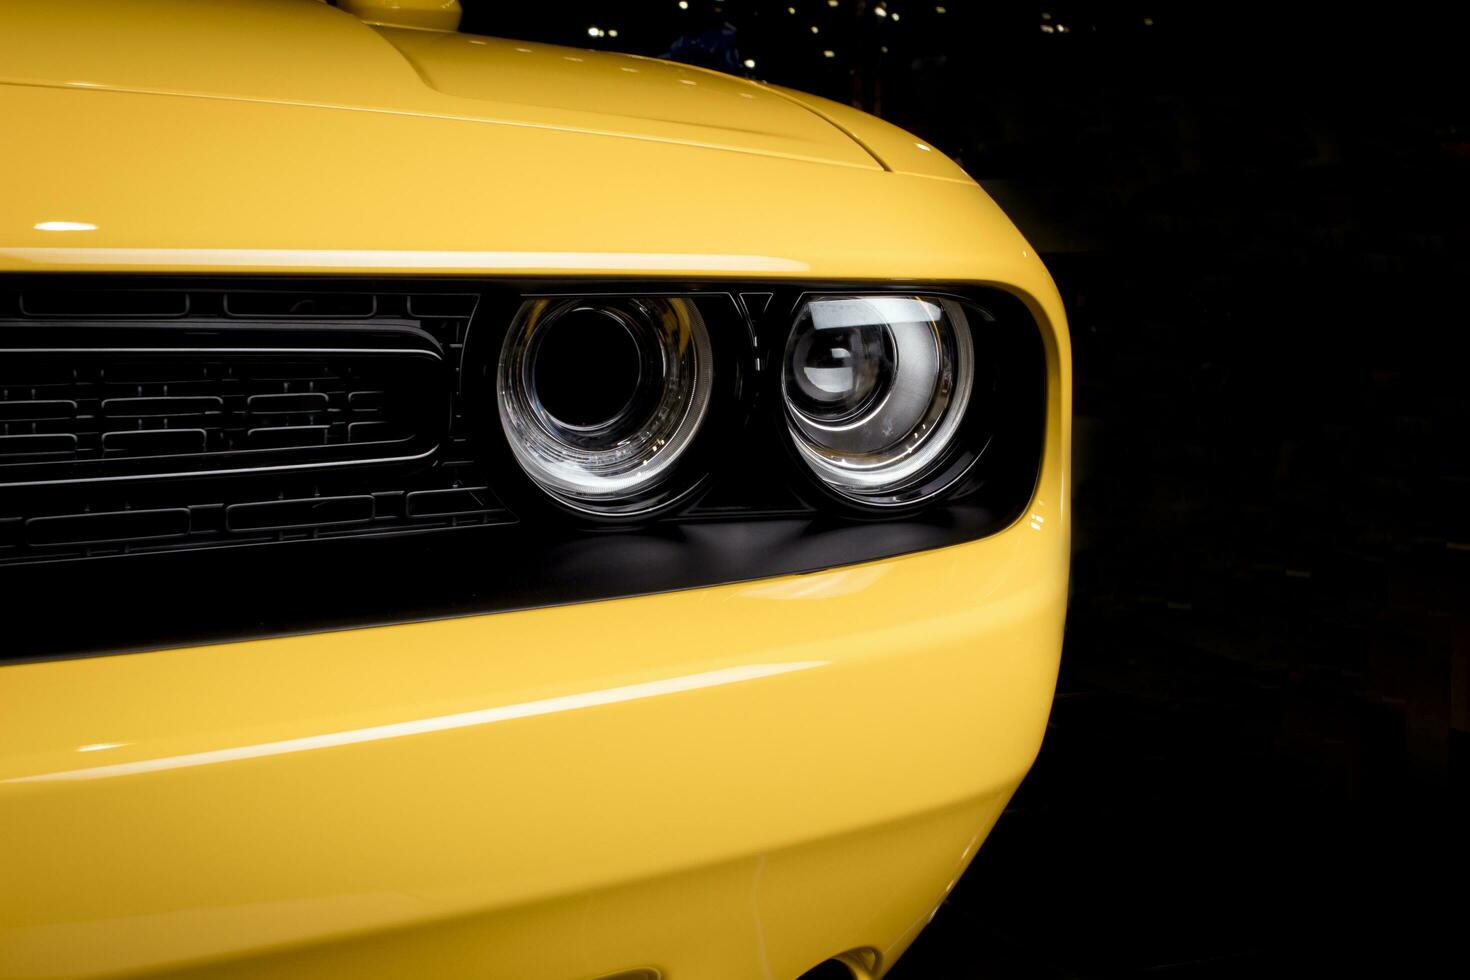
(287, 403)
(104, 528)
(288, 435)
(307, 512)
(155, 441)
(35, 443)
(36, 410)
(163, 406)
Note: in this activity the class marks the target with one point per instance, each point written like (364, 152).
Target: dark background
(1257, 215)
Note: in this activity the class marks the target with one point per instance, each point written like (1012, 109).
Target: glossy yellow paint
(734, 782)
(423, 15)
(296, 52)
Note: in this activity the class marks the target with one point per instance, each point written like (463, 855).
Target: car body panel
(896, 149)
(261, 50)
(426, 15)
(303, 53)
(176, 184)
(733, 782)
(602, 92)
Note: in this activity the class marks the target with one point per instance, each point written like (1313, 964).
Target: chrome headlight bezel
(915, 441)
(617, 465)
(661, 467)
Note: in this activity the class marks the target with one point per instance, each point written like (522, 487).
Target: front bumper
(727, 782)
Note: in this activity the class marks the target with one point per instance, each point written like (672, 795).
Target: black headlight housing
(268, 494)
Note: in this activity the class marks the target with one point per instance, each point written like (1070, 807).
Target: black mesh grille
(153, 420)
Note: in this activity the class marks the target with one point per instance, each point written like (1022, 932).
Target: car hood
(306, 53)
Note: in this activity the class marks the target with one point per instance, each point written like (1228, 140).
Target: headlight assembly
(875, 389)
(600, 398)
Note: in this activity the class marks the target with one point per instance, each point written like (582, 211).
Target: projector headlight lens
(875, 389)
(599, 398)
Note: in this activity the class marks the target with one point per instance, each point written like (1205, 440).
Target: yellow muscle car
(472, 508)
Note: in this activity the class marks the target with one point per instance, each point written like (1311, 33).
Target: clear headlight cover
(600, 397)
(875, 389)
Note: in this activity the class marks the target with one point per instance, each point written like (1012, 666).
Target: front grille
(147, 420)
